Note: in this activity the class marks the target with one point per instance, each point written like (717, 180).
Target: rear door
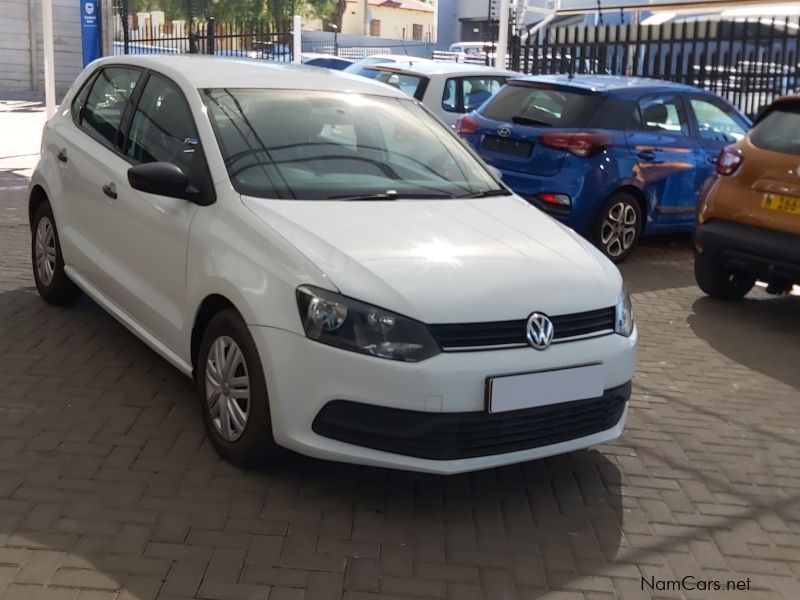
(87, 157)
(461, 95)
(715, 125)
(667, 158)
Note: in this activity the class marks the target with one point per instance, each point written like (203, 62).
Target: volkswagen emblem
(539, 331)
(504, 132)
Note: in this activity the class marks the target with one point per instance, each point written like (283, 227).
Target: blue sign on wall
(90, 30)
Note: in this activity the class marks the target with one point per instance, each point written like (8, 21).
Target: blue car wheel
(618, 226)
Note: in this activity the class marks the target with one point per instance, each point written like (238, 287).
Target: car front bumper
(304, 376)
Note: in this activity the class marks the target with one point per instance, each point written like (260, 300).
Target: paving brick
(108, 486)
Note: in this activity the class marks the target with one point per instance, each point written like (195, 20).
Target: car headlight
(339, 321)
(623, 324)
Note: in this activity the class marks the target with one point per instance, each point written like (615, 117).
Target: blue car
(614, 158)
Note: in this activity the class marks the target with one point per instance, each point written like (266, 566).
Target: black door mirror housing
(162, 178)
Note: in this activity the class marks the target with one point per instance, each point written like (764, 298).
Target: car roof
(200, 71)
(610, 83)
(430, 67)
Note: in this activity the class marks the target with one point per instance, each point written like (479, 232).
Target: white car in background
(358, 66)
(447, 89)
(334, 268)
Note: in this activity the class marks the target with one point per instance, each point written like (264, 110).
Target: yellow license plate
(789, 204)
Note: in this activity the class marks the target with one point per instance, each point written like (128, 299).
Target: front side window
(162, 127)
(663, 113)
(106, 103)
(716, 122)
(301, 145)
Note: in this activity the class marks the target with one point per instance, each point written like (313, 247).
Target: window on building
(416, 32)
(375, 27)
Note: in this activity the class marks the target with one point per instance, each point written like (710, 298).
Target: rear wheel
(232, 392)
(48, 262)
(719, 282)
(618, 226)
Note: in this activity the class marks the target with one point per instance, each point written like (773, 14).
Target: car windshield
(312, 145)
(408, 83)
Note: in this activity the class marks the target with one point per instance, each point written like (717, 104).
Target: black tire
(254, 443)
(48, 262)
(718, 282)
(618, 226)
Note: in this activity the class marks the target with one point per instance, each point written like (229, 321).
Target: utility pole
(502, 35)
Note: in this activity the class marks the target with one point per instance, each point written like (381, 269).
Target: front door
(666, 160)
(143, 265)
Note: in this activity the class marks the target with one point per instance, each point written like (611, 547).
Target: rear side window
(413, 85)
(106, 103)
(663, 113)
(463, 94)
(542, 107)
(779, 130)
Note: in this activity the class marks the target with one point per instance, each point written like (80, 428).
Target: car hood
(447, 261)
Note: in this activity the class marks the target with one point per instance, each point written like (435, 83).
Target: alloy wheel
(619, 228)
(227, 386)
(45, 251)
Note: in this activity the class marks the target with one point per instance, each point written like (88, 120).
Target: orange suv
(748, 223)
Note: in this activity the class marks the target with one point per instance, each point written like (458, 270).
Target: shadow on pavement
(760, 334)
(105, 469)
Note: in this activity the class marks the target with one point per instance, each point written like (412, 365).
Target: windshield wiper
(527, 121)
(395, 196)
(486, 194)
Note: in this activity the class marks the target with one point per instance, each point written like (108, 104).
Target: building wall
(21, 46)
(394, 21)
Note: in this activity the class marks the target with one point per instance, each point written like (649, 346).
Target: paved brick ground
(108, 488)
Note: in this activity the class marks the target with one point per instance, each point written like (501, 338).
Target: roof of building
(402, 4)
(202, 71)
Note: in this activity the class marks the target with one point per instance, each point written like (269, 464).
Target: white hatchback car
(447, 89)
(338, 273)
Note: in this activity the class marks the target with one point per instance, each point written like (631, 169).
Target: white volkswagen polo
(335, 269)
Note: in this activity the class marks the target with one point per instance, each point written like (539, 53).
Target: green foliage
(229, 11)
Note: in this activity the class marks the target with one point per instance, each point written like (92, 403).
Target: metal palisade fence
(750, 62)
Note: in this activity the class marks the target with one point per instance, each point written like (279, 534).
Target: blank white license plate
(513, 392)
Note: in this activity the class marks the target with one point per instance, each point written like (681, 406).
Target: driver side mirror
(162, 178)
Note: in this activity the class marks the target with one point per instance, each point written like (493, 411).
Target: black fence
(256, 39)
(750, 62)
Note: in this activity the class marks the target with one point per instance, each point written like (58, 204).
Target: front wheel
(232, 392)
(718, 282)
(618, 226)
(48, 262)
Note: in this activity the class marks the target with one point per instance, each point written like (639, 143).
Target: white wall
(21, 65)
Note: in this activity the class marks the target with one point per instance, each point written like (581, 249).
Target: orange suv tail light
(729, 160)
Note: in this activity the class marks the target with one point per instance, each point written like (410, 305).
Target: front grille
(449, 436)
(465, 336)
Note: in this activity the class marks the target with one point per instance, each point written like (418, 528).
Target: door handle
(110, 190)
(647, 155)
(62, 155)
